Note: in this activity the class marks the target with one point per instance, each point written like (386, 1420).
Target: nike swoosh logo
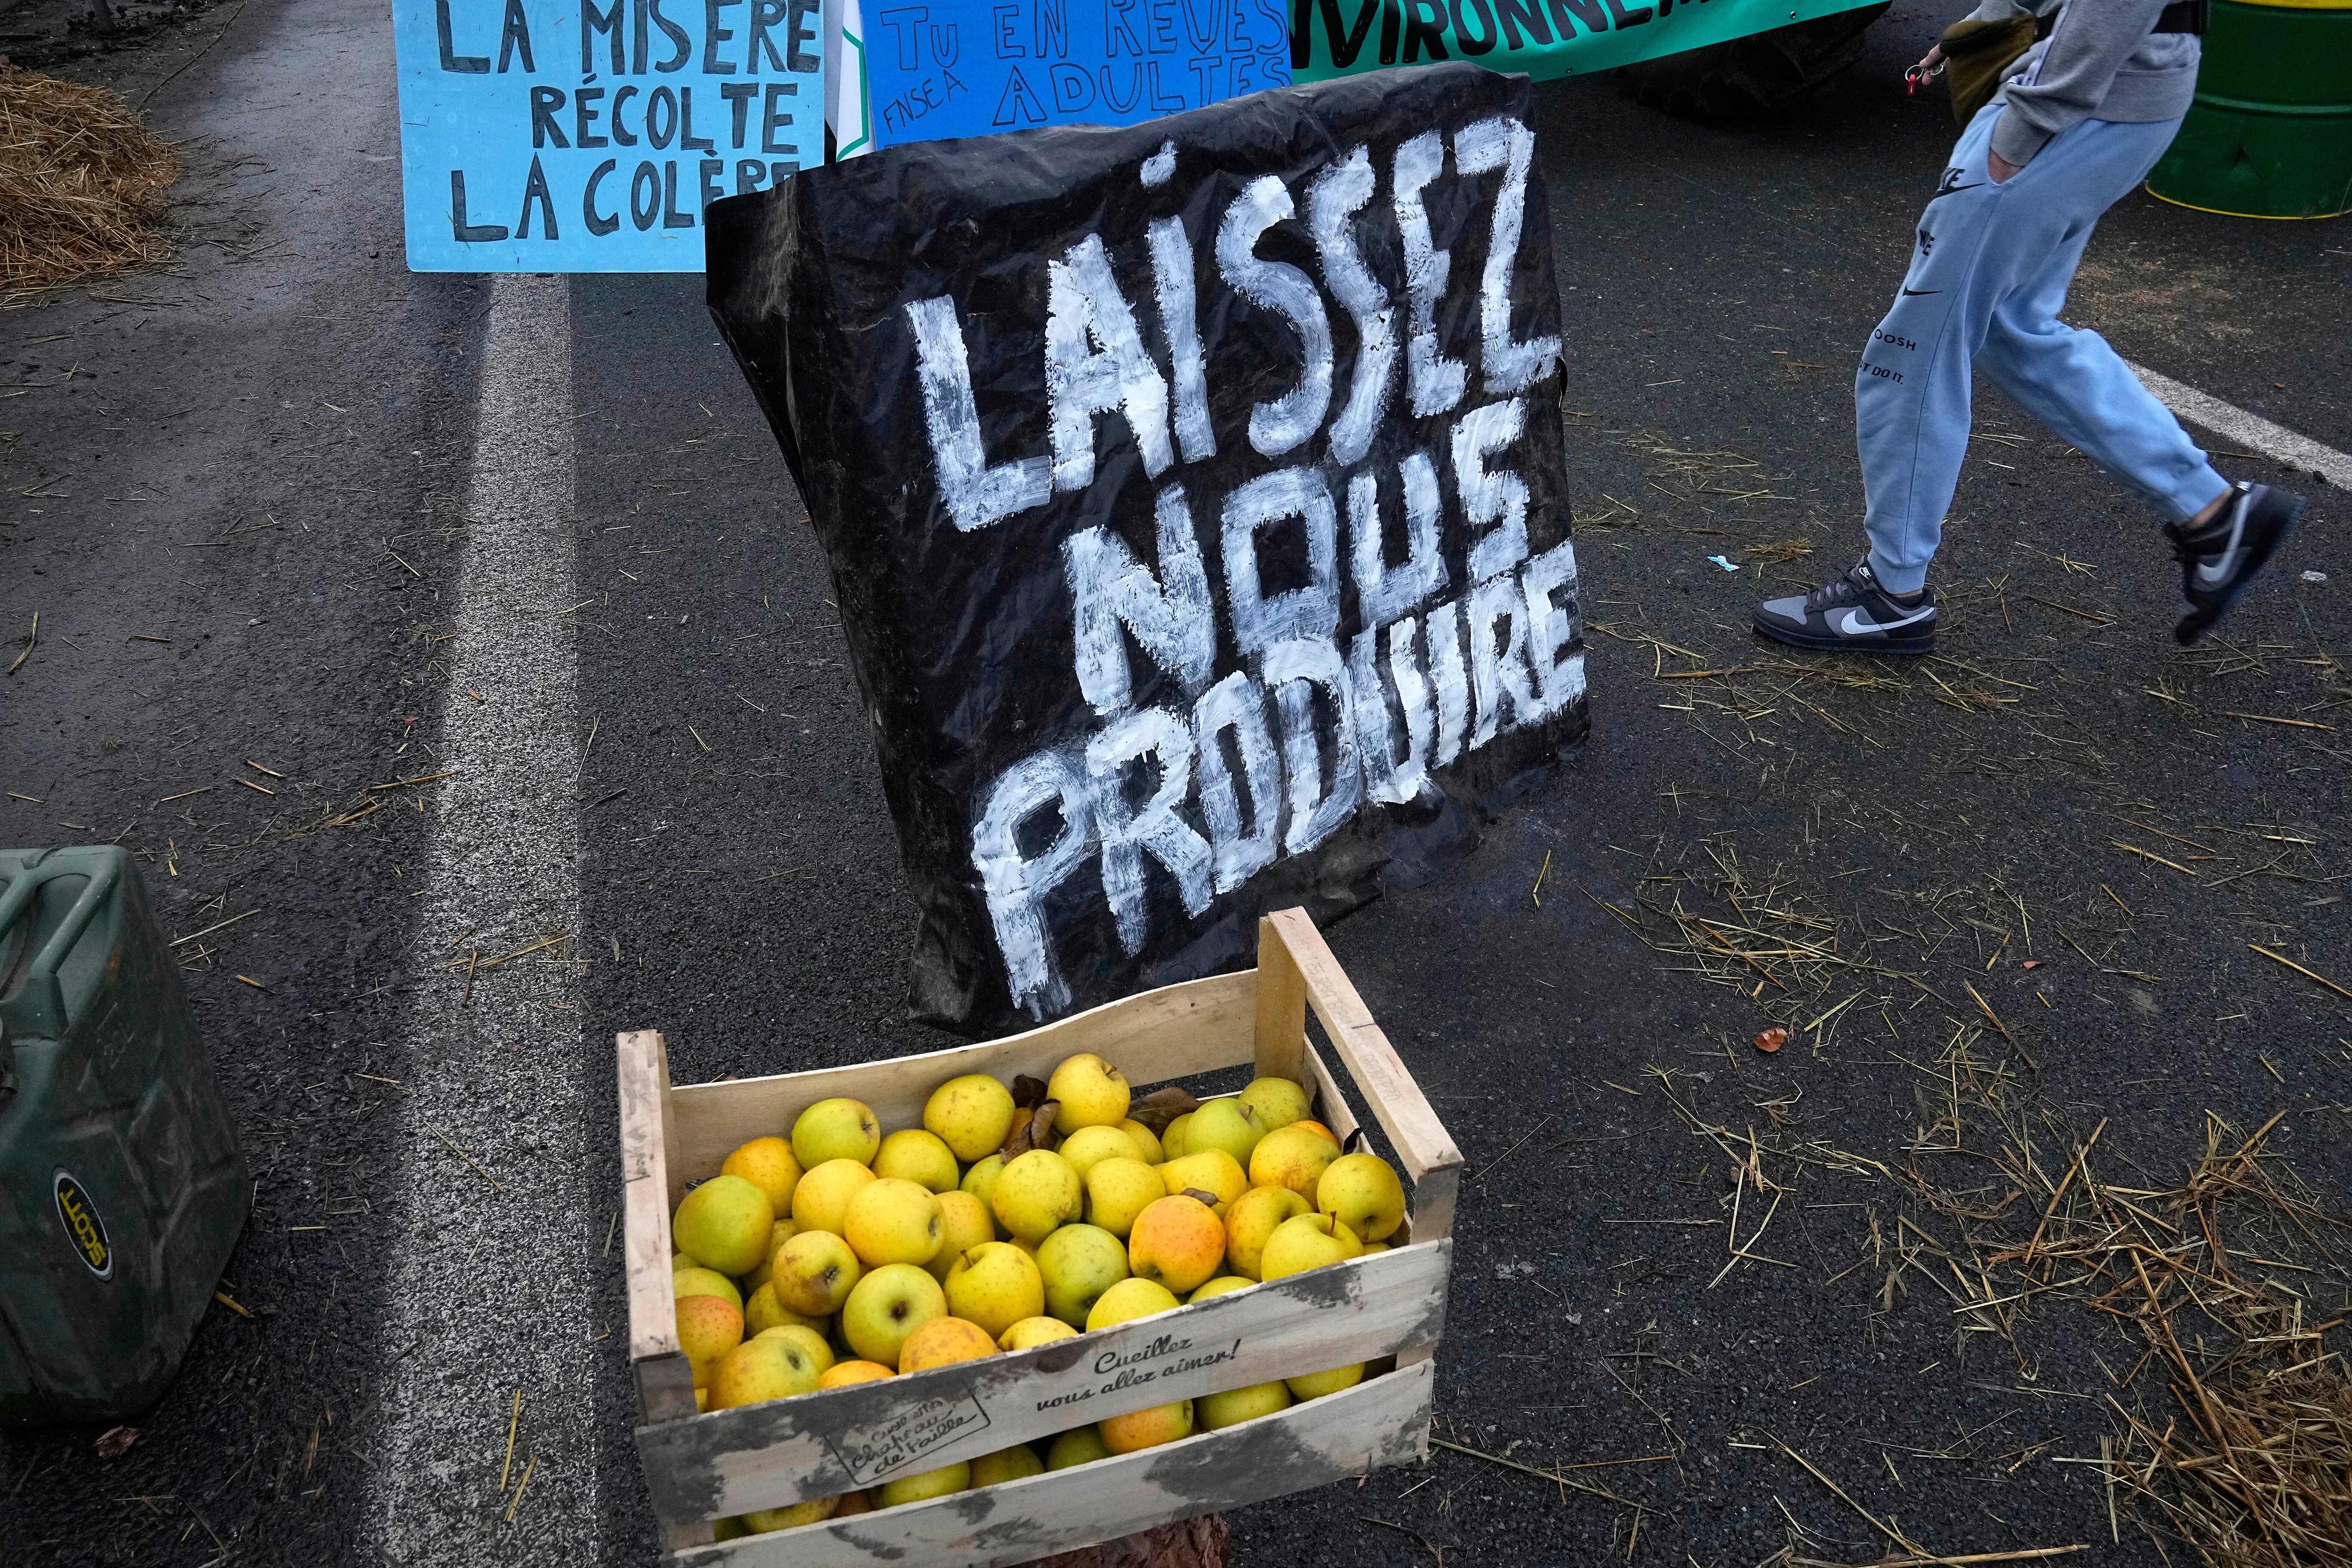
(2209, 576)
(1917, 291)
(1950, 190)
(1854, 625)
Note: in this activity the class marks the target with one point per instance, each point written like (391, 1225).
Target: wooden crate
(700, 1467)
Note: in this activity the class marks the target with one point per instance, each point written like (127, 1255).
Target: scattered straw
(81, 183)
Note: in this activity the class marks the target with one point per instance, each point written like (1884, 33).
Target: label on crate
(1117, 1371)
(876, 1453)
(1196, 496)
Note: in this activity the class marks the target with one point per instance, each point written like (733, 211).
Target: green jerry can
(2270, 132)
(125, 1187)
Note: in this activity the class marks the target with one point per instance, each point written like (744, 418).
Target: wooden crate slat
(1383, 1421)
(1176, 1032)
(1334, 1111)
(1419, 1138)
(766, 1456)
(645, 1202)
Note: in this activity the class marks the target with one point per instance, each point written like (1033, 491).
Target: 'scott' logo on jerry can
(122, 1186)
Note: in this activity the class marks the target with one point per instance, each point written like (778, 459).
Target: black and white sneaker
(2220, 561)
(1850, 613)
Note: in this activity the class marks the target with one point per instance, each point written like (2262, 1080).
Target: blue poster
(973, 68)
(569, 136)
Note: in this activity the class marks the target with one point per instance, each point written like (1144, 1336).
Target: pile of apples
(840, 1256)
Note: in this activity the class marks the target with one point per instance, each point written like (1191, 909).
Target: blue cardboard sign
(974, 68)
(574, 136)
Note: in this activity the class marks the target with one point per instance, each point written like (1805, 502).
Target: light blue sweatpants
(1987, 278)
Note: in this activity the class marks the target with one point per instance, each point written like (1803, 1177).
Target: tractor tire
(1760, 74)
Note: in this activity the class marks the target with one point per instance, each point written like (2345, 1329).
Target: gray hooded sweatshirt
(2101, 62)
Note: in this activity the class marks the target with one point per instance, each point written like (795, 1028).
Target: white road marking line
(488, 1282)
(2248, 430)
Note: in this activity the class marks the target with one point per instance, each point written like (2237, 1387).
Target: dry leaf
(1206, 1200)
(116, 1442)
(1772, 1039)
(1040, 1125)
(1027, 1091)
(1161, 1106)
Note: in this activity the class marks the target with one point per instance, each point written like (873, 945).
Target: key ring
(1914, 79)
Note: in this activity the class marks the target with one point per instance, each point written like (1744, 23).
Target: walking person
(2079, 121)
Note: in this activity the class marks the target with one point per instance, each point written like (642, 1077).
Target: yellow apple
(1314, 1126)
(814, 1273)
(995, 1285)
(1211, 1171)
(1373, 1246)
(981, 1180)
(887, 1305)
(1307, 1241)
(1276, 1101)
(1362, 1191)
(1088, 1145)
(1128, 1301)
(971, 1114)
(1178, 1241)
(842, 1374)
(1036, 1193)
(764, 1311)
(1082, 1446)
(726, 1529)
(761, 1521)
(1079, 1262)
(836, 1129)
(707, 1327)
(700, 1281)
(1030, 1332)
(964, 1224)
(1316, 1385)
(914, 1155)
(1237, 1405)
(758, 1369)
(824, 1194)
(943, 1340)
(1011, 1464)
(768, 1164)
(1292, 1157)
(782, 1231)
(1147, 1142)
(1092, 1093)
(809, 1340)
(1141, 1430)
(1119, 1189)
(891, 1221)
(1252, 1219)
(1223, 1284)
(942, 1482)
(724, 1224)
(1225, 1124)
(1171, 1138)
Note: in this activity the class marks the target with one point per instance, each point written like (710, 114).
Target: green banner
(1545, 38)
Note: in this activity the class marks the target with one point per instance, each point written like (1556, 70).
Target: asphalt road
(271, 456)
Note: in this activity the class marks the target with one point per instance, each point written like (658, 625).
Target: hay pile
(81, 183)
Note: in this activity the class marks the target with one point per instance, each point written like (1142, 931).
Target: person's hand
(1998, 167)
(1928, 61)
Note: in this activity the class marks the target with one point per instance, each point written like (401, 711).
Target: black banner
(1195, 499)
